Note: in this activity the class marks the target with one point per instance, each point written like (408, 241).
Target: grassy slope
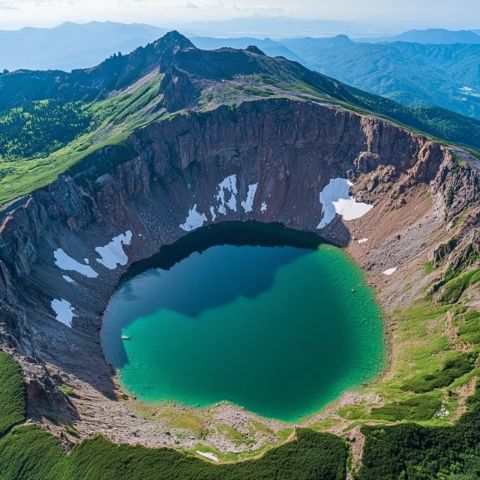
(12, 393)
(428, 382)
(114, 119)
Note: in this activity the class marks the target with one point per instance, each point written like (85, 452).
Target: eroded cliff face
(64, 248)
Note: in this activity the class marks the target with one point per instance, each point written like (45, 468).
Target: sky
(454, 14)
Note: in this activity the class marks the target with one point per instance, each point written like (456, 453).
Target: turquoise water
(280, 331)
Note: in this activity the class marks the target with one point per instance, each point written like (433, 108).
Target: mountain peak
(172, 42)
(254, 49)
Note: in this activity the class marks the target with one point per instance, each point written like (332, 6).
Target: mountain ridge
(106, 103)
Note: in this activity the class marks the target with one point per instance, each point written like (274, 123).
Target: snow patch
(208, 455)
(68, 279)
(390, 271)
(335, 198)
(213, 214)
(363, 240)
(113, 254)
(194, 220)
(227, 185)
(469, 91)
(263, 207)
(63, 311)
(65, 262)
(248, 203)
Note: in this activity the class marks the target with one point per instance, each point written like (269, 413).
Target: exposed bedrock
(64, 248)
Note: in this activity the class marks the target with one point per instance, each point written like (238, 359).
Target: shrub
(421, 407)
(452, 370)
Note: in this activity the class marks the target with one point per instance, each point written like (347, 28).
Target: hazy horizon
(367, 17)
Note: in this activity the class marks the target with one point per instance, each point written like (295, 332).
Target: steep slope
(106, 103)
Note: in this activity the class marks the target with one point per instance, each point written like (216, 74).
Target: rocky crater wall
(64, 248)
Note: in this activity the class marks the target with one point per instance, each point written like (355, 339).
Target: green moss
(468, 324)
(353, 412)
(67, 390)
(183, 420)
(450, 196)
(12, 393)
(70, 429)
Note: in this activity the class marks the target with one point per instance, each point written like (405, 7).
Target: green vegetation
(29, 453)
(12, 393)
(41, 127)
(413, 452)
(41, 137)
(453, 290)
(112, 121)
(453, 369)
(420, 407)
(450, 197)
(67, 390)
(231, 434)
(311, 455)
(428, 267)
(435, 350)
(468, 324)
(184, 420)
(408, 73)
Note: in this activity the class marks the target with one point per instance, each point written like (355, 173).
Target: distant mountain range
(275, 27)
(71, 45)
(437, 36)
(409, 73)
(419, 67)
